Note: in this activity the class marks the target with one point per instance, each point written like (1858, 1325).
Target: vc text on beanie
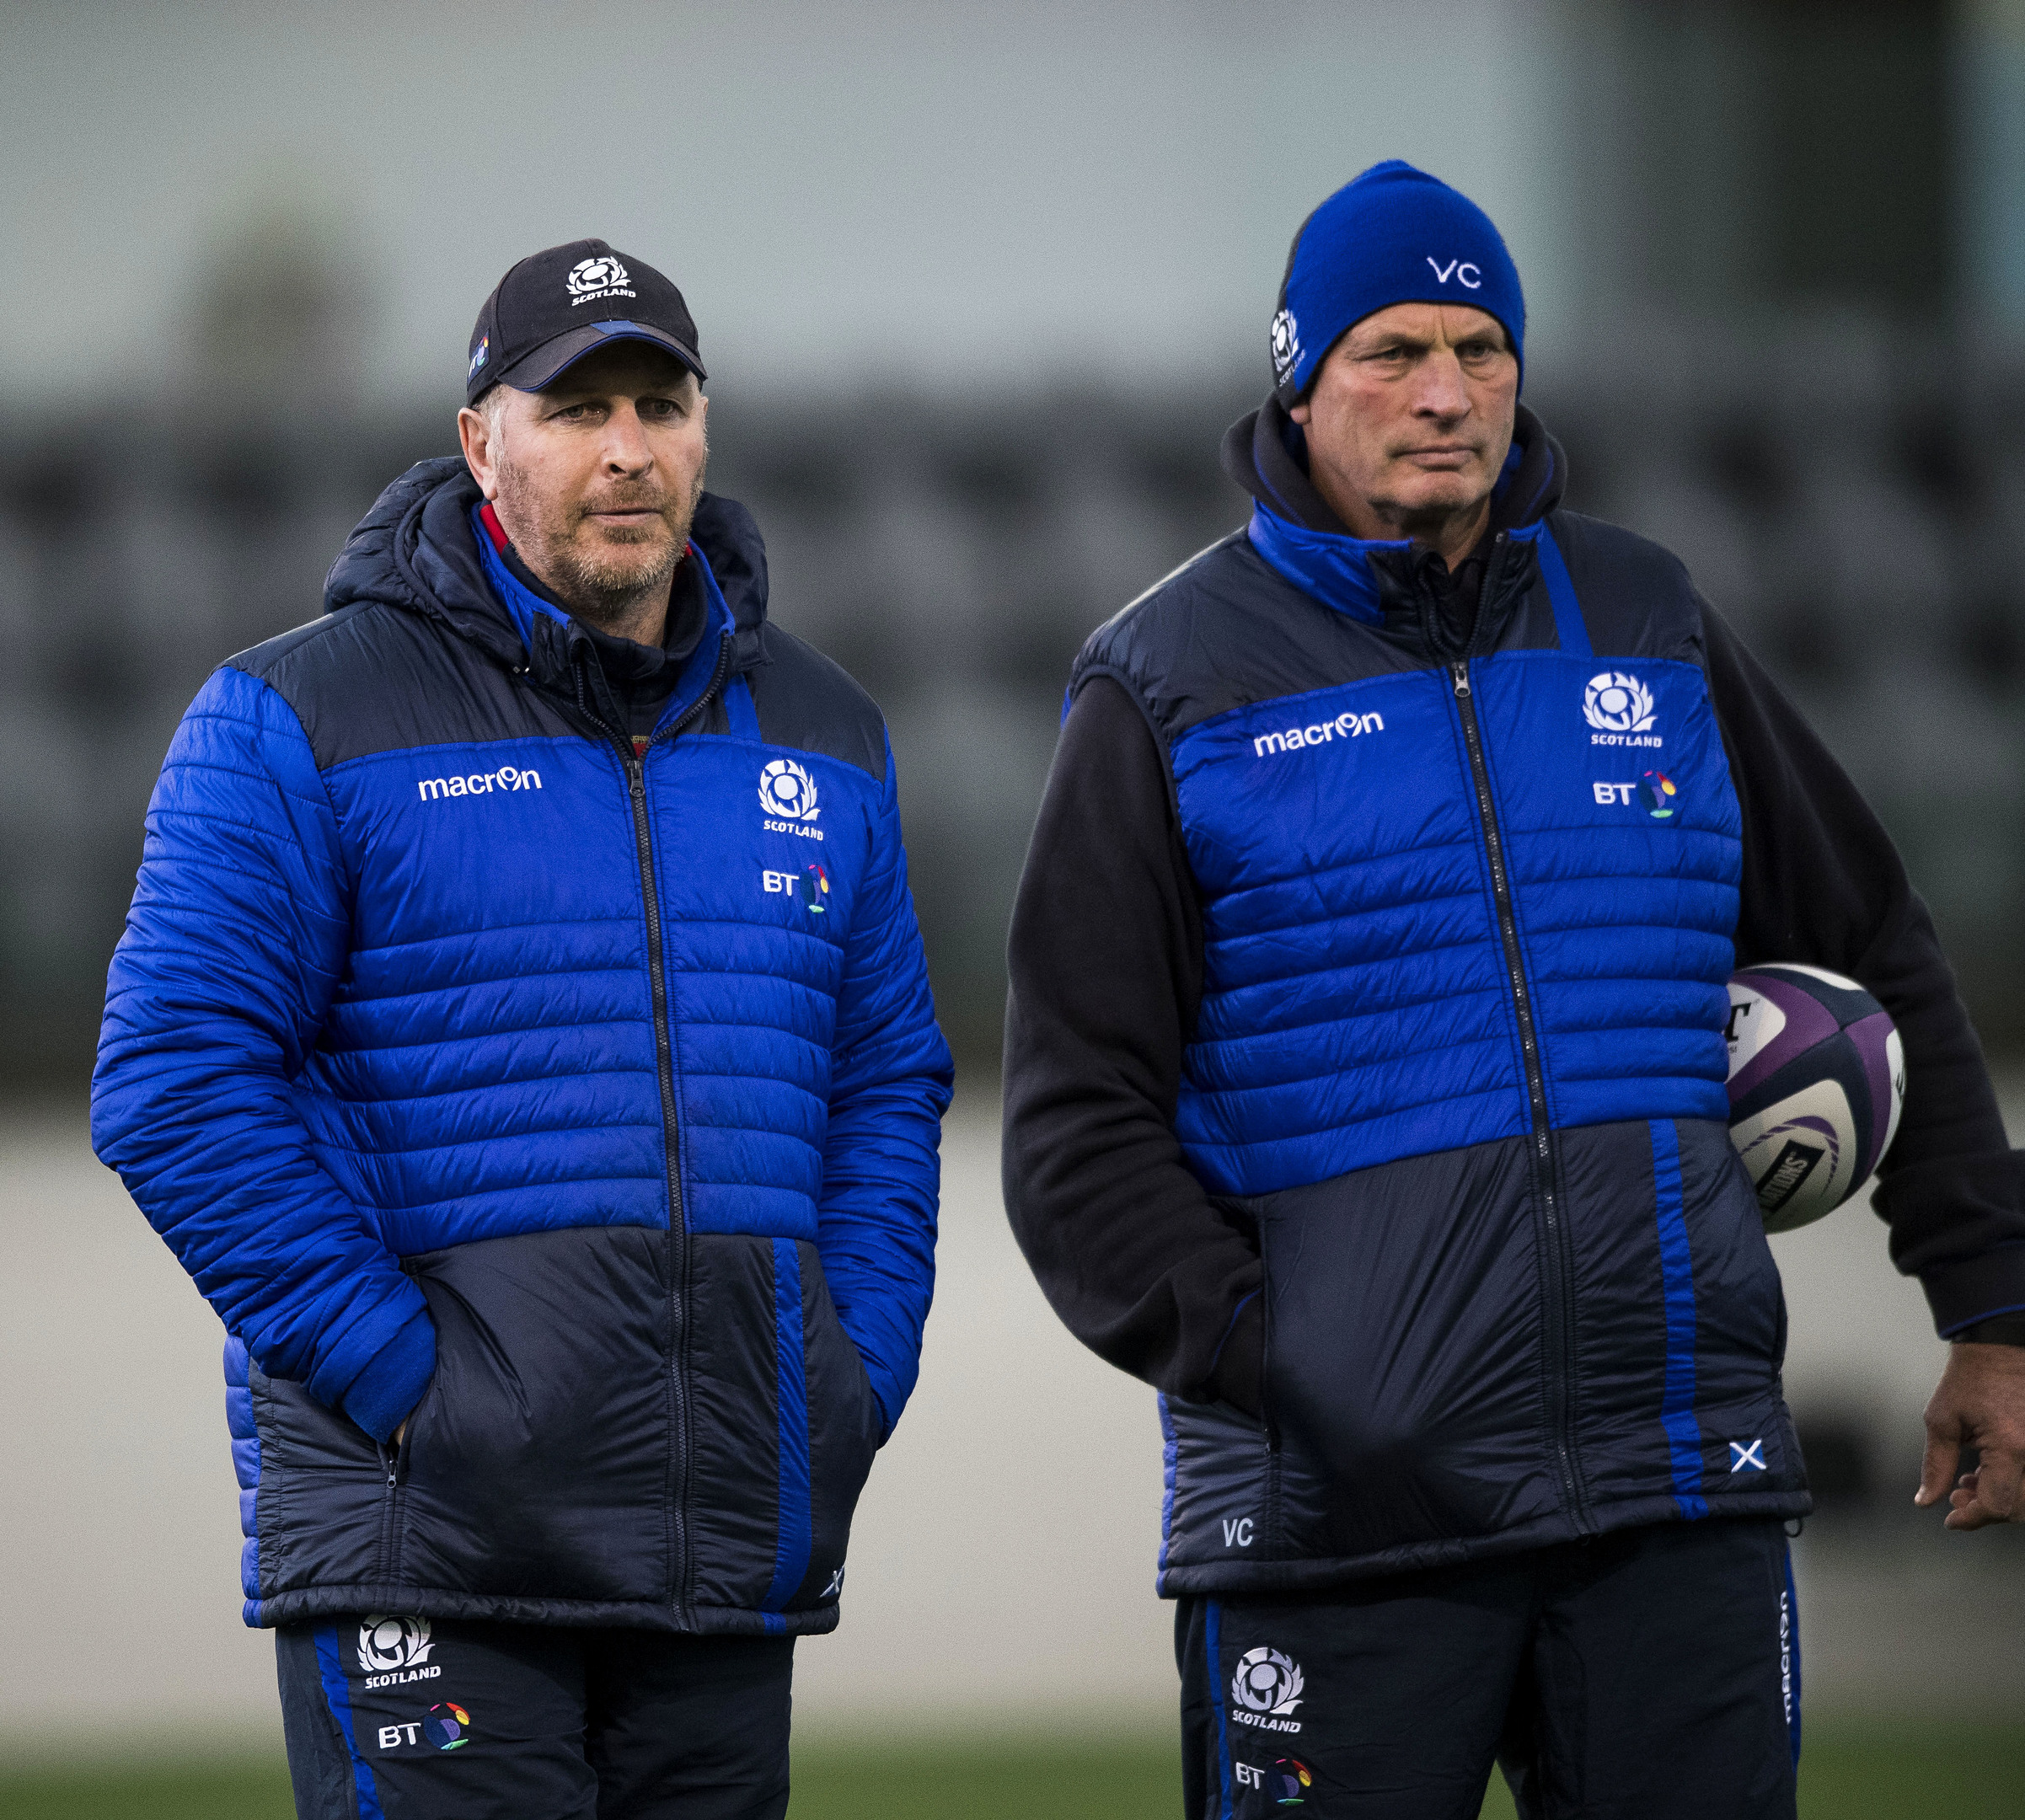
(1392, 235)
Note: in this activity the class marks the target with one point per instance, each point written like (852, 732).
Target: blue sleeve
(237, 940)
(890, 1083)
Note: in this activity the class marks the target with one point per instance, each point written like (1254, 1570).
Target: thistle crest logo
(1286, 344)
(603, 276)
(387, 1643)
(1614, 703)
(788, 792)
(1267, 1681)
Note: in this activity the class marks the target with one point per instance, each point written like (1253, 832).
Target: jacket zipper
(383, 1559)
(664, 1057)
(1558, 1273)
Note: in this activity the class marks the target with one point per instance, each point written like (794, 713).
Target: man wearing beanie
(1364, 1092)
(522, 1035)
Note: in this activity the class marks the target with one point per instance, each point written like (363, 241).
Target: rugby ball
(1817, 1078)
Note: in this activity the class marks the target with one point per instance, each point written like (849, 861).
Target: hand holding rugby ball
(1817, 1078)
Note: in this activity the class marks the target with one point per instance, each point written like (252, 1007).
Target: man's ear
(1301, 412)
(476, 435)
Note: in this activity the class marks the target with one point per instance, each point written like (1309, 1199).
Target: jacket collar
(531, 612)
(1293, 528)
(423, 549)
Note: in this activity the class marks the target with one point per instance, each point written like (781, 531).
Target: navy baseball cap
(555, 307)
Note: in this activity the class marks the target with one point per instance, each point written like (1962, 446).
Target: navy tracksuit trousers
(1649, 1674)
(395, 1718)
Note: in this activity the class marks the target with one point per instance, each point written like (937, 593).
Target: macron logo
(478, 783)
(1344, 726)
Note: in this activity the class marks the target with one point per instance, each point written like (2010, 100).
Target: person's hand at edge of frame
(1979, 1403)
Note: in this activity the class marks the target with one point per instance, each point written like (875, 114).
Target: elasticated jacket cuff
(1973, 1290)
(383, 1395)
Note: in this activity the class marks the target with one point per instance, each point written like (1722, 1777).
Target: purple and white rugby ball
(1817, 1078)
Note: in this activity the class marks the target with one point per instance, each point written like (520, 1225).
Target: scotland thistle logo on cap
(1286, 344)
(600, 277)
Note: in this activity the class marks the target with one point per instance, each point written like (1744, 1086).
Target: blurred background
(979, 290)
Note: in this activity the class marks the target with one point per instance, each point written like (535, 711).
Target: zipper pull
(1460, 672)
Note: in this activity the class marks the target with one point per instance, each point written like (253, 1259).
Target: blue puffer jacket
(1466, 910)
(583, 1100)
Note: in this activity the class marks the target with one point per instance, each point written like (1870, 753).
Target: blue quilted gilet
(1358, 1006)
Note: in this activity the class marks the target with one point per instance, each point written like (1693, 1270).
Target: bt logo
(1290, 1778)
(1655, 793)
(811, 885)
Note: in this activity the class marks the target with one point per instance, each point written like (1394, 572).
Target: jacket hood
(1297, 531)
(1266, 454)
(416, 550)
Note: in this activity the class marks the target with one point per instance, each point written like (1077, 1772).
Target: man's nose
(626, 450)
(1441, 392)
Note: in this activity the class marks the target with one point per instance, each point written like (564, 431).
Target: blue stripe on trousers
(330, 1669)
(1677, 1287)
(1213, 1628)
(791, 1548)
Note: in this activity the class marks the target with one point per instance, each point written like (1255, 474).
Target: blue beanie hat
(1390, 235)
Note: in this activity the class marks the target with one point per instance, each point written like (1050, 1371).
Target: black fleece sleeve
(1823, 884)
(1105, 961)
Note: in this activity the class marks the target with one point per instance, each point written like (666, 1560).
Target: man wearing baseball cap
(1364, 1088)
(522, 1035)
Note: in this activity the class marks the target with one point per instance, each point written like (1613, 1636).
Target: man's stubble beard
(599, 587)
(1426, 520)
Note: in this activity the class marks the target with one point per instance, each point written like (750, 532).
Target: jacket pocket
(1403, 1362)
(1745, 1438)
(846, 1426)
(538, 1464)
(785, 1426)
(322, 1497)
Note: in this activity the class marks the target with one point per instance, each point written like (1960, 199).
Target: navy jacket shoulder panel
(1227, 629)
(372, 678)
(1636, 597)
(804, 700)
